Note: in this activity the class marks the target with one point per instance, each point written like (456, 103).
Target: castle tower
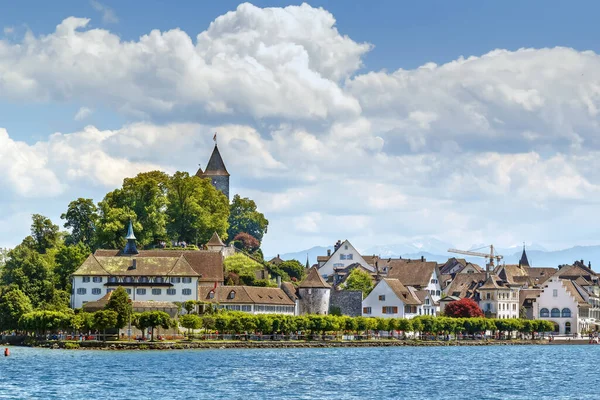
(216, 172)
(130, 247)
(524, 262)
(314, 294)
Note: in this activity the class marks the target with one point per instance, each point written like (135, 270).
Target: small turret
(524, 262)
(130, 247)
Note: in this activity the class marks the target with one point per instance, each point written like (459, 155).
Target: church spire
(524, 262)
(130, 247)
(307, 263)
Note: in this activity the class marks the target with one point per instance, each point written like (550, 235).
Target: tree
(293, 268)
(105, 319)
(83, 322)
(44, 233)
(154, 319)
(190, 321)
(119, 303)
(81, 217)
(67, 260)
(463, 308)
(195, 209)
(244, 217)
(42, 322)
(359, 280)
(246, 242)
(13, 304)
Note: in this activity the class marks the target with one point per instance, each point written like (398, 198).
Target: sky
(380, 122)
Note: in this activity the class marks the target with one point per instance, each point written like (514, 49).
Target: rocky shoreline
(90, 345)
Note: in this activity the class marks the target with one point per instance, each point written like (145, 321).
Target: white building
(561, 302)
(147, 275)
(498, 298)
(343, 256)
(250, 299)
(391, 299)
(420, 274)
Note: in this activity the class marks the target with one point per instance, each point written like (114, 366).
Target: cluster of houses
(568, 296)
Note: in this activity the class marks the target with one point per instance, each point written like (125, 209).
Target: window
(128, 291)
(112, 279)
(367, 310)
(232, 295)
(338, 265)
(389, 310)
(97, 279)
(555, 313)
(247, 308)
(186, 280)
(81, 290)
(187, 292)
(171, 292)
(410, 309)
(110, 290)
(427, 301)
(143, 279)
(156, 292)
(140, 291)
(349, 256)
(437, 292)
(96, 291)
(567, 328)
(128, 279)
(211, 294)
(159, 279)
(514, 307)
(86, 279)
(432, 292)
(544, 313)
(554, 292)
(487, 296)
(382, 297)
(566, 313)
(175, 279)
(346, 247)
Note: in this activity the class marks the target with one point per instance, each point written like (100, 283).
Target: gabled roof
(412, 272)
(314, 280)
(401, 291)
(451, 264)
(464, 285)
(276, 260)
(244, 295)
(215, 166)
(528, 294)
(490, 283)
(207, 264)
(144, 266)
(573, 289)
(215, 240)
(573, 271)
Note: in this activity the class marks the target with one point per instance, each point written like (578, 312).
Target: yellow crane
(491, 255)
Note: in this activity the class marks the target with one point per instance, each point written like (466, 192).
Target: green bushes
(269, 324)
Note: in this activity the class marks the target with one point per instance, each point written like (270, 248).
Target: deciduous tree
(81, 217)
(463, 308)
(13, 304)
(244, 217)
(119, 303)
(359, 280)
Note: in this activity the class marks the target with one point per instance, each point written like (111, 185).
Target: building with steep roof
(344, 255)
(390, 298)
(421, 274)
(314, 294)
(216, 172)
(498, 298)
(146, 275)
(250, 299)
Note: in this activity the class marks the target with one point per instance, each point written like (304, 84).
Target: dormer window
(231, 295)
(211, 294)
(159, 279)
(112, 279)
(143, 279)
(128, 279)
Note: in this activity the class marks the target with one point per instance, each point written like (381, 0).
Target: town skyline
(336, 132)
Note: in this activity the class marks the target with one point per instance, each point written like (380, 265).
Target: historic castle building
(216, 172)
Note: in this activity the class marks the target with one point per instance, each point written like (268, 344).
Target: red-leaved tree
(463, 308)
(246, 242)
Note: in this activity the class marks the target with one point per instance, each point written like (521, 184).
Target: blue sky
(400, 153)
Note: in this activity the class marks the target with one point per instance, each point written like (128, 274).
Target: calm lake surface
(492, 372)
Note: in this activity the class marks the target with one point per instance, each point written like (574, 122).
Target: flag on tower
(215, 138)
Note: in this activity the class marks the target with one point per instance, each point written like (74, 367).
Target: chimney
(134, 265)
(277, 255)
(422, 259)
(279, 281)
(328, 252)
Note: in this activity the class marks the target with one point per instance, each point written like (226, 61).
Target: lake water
(492, 372)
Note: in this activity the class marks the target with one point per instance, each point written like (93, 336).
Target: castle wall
(314, 300)
(348, 302)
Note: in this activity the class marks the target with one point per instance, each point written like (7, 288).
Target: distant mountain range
(435, 250)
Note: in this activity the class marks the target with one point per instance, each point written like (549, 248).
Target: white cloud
(83, 113)
(108, 14)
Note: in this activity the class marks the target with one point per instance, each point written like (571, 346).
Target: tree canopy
(463, 308)
(245, 217)
(359, 279)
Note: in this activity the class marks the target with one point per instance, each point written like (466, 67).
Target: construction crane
(491, 256)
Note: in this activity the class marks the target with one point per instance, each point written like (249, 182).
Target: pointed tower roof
(199, 173)
(130, 247)
(215, 240)
(307, 263)
(215, 166)
(314, 280)
(524, 262)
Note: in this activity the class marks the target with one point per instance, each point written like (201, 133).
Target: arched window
(567, 328)
(555, 313)
(544, 313)
(566, 313)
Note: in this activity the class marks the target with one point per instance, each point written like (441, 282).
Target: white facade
(260, 308)
(556, 304)
(344, 256)
(502, 302)
(434, 287)
(173, 289)
(383, 302)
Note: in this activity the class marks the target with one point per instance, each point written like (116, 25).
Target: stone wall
(349, 302)
(314, 301)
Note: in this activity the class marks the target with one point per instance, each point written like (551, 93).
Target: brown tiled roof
(528, 294)
(207, 264)
(540, 275)
(215, 240)
(402, 291)
(451, 263)
(290, 290)
(276, 260)
(464, 285)
(244, 295)
(412, 272)
(145, 266)
(314, 280)
(99, 304)
(573, 271)
(572, 289)
(215, 165)
(370, 260)
(491, 282)
(323, 258)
